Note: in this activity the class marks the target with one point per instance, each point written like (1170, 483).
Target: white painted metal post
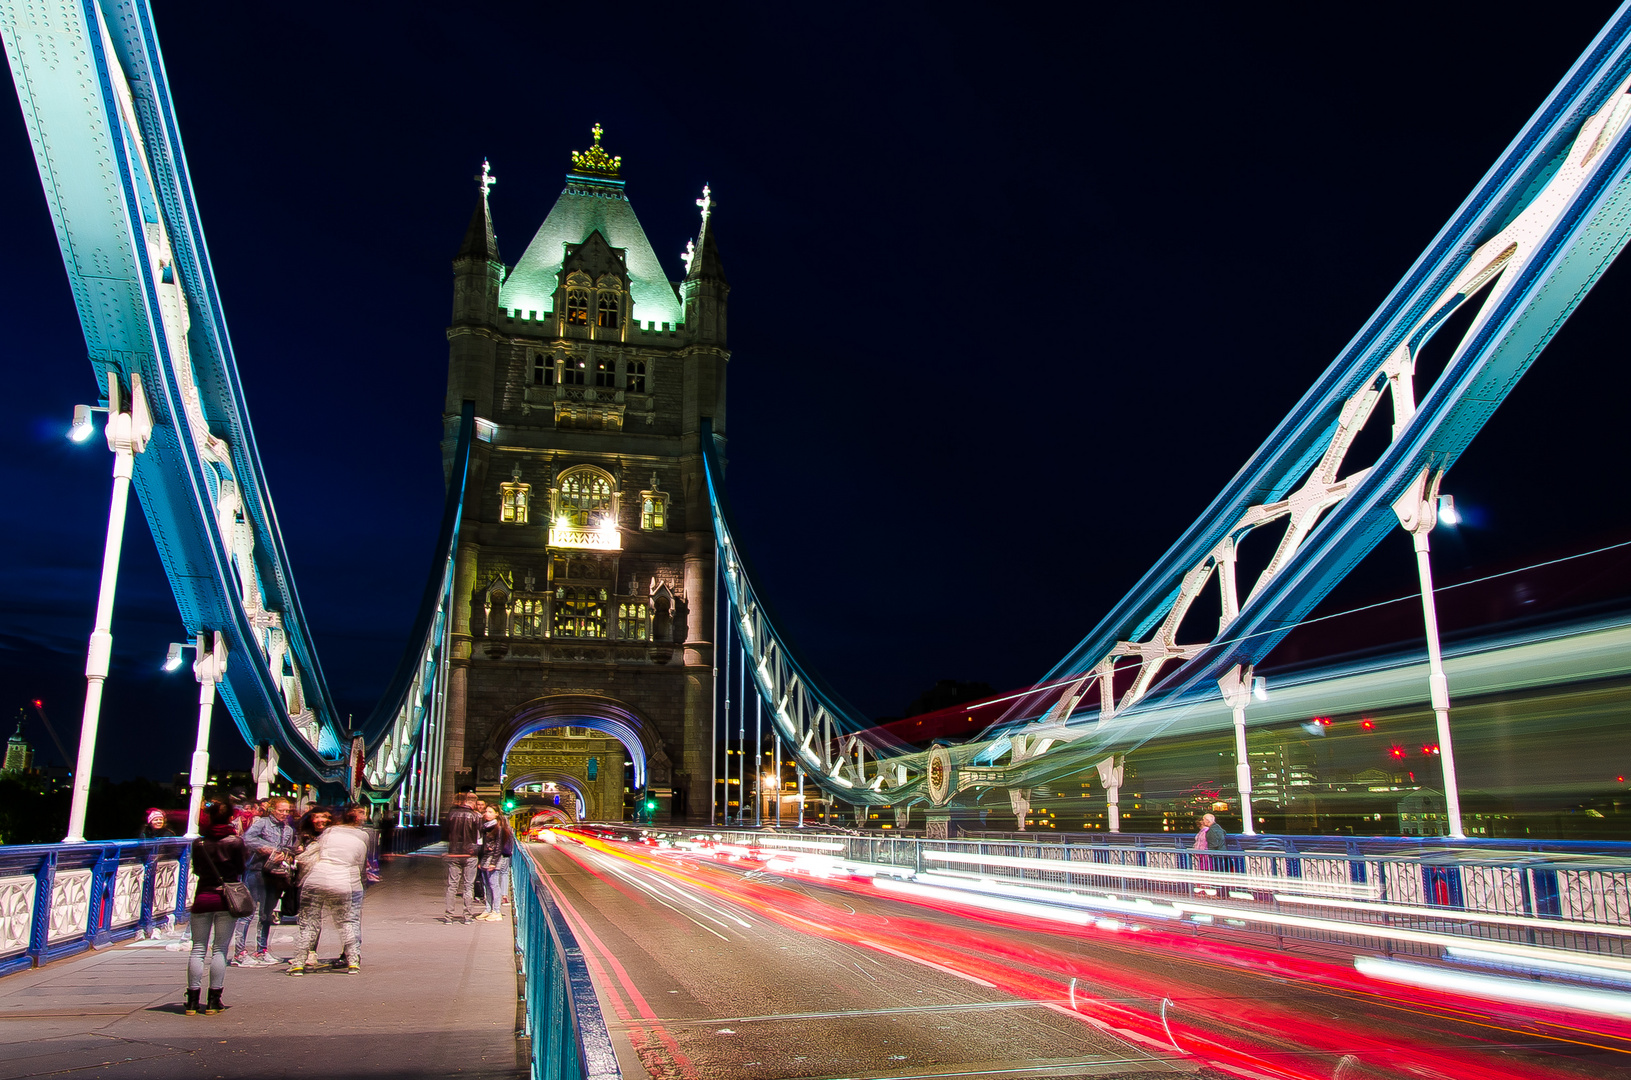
(1237, 691)
(1111, 770)
(758, 752)
(127, 435)
(1418, 513)
(210, 668)
(742, 735)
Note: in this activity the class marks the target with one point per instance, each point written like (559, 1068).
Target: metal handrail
(568, 1032)
(1425, 900)
(74, 897)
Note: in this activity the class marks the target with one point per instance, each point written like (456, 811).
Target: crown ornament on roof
(595, 161)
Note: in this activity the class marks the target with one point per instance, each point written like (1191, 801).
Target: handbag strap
(208, 854)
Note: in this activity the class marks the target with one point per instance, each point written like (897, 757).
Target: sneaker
(353, 969)
(338, 962)
(296, 969)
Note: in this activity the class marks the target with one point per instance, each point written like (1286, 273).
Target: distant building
(19, 754)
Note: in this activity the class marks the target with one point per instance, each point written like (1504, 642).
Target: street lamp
(127, 434)
(210, 668)
(1419, 509)
(1239, 688)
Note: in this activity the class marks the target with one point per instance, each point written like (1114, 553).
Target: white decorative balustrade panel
(70, 905)
(16, 913)
(127, 894)
(165, 876)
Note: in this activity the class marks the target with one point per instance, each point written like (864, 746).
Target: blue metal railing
(564, 1021)
(61, 899)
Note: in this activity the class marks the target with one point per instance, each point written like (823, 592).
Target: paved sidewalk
(432, 1000)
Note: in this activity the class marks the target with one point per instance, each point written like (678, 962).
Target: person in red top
(217, 857)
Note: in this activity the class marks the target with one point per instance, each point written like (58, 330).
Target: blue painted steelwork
(1531, 239)
(1538, 289)
(96, 101)
(80, 896)
(831, 738)
(568, 1031)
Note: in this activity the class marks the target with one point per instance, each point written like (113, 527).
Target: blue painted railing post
(103, 875)
(45, 881)
(150, 876)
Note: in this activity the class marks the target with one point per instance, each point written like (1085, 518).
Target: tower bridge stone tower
(585, 571)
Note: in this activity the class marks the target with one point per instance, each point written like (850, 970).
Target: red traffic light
(1368, 724)
(1397, 752)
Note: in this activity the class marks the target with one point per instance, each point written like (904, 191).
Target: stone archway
(560, 779)
(549, 814)
(652, 765)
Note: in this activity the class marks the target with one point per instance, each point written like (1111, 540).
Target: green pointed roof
(593, 199)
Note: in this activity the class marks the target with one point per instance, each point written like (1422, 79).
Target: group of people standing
(323, 858)
(479, 840)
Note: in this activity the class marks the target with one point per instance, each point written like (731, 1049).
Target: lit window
(580, 612)
(572, 371)
(635, 376)
(515, 498)
(584, 501)
(607, 314)
(543, 370)
(653, 512)
(528, 618)
(606, 373)
(577, 307)
(633, 623)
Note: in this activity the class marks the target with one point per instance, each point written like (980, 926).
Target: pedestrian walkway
(433, 1000)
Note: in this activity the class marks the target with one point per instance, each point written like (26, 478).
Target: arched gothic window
(528, 619)
(543, 370)
(606, 373)
(572, 371)
(580, 612)
(577, 307)
(513, 502)
(635, 376)
(607, 314)
(584, 500)
(633, 621)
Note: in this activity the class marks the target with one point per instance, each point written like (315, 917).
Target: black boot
(213, 1005)
(192, 1003)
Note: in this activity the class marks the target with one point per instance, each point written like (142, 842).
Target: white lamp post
(127, 434)
(1419, 509)
(1239, 686)
(210, 668)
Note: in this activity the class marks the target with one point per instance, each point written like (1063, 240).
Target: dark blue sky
(1012, 298)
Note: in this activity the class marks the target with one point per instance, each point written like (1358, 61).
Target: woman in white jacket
(332, 874)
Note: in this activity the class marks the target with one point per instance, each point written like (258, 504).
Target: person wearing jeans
(268, 838)
(217, 858)
(462, 831)
(497, 844)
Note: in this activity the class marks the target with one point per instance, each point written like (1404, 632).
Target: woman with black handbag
(218, 860)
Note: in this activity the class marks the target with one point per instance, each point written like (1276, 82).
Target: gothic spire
(702, 260)
(479, 241)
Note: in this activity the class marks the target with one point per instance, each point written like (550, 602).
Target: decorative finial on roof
(486, 180)
(595, 161)
(688, 254)
(706, 202)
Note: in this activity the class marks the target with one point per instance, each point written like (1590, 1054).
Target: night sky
(1012, 298)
